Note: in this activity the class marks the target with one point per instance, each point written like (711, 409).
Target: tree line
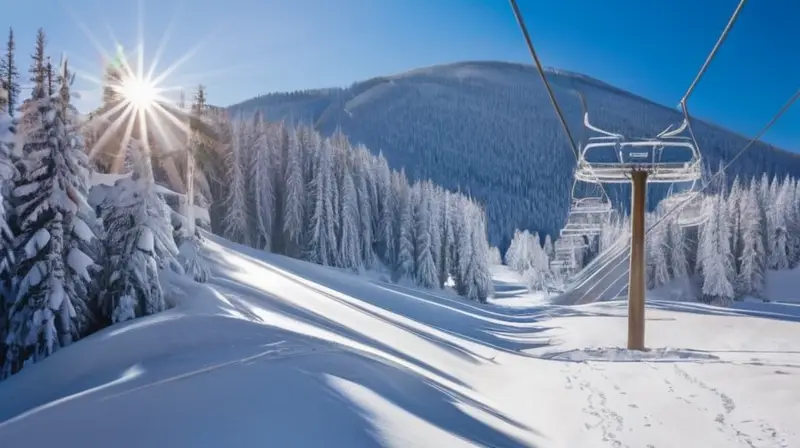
(76, 257)
(748, 228)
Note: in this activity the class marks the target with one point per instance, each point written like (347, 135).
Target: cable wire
(539, 67)
(550, 93)
(714, 50)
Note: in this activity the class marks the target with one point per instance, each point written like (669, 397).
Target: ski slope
(279, 352)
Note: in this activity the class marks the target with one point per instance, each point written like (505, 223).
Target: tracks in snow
(616, 415)
(750, 433)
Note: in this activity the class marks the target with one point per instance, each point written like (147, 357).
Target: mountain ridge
(488, 127)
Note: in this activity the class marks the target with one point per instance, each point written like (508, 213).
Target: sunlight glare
(139, 92)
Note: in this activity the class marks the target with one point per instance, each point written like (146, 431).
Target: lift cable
(540, 69)
(714, 50)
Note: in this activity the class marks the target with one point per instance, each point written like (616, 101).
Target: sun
(140, 93)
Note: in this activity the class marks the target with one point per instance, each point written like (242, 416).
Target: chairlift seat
(667, 158)
(577, 229)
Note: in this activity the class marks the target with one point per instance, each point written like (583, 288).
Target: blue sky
(248, 47)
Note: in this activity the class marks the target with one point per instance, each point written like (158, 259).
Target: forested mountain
(488, 128)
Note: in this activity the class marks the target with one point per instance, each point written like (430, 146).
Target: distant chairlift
(693, 212)
(565, 250)
(588, 212)
(611, 157)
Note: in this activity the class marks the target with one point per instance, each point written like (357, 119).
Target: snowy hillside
(278, 352)
(488, 128)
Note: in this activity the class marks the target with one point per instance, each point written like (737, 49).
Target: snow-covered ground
(278, 352)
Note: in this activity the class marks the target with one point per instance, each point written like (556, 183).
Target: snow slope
(488, 127)
(278, 352)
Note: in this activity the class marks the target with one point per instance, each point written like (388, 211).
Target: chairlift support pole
(636, 279)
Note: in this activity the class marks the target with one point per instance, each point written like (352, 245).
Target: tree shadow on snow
(461, 320)
(247, 296)
(292, 391)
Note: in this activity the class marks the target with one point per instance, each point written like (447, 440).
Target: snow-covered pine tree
(83, 237)
(793, 225)
(261, 183)
(236, 219)
(295, 190)
(751, 272)
(387, 200)
(678, 264)
(777, 255)
(445, 251)
(361, 178)
(51, 307)
(190, 246)
(350, 242)
(8, 140)
(425, 266)
(481, 275)
(734, 197)
(548, 247)
(715, 254)
(135, 229)
(657, 255)
(30, 121)
(311, 145)
(512, 253)
(435, 225)
(322, 233)
(9, 76)
(404, 219)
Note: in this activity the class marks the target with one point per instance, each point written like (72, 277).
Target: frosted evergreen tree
(777, 218)
(734, 197)
(386, 234)
(138, 235)
(235, 222)
(350, 243)
(494, 256)
(462, 249)
(715, 254)
(425, 266)
(435, 225)
(658, 256)
(512, 253)
(752, 260)
(322, 244)
(404, 265)
(295, 190)
(9, 76)
(793, 225)
(445, 251)
(480, 273)
(679, 266)
(361, 179)
(30, 121)
(51, 308)
(8, 140)
(548, 247)
(83, 248)
(261, 177)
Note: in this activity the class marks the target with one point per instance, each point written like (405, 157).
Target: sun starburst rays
(136, 104)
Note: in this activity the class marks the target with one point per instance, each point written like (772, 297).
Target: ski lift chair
(611, 157)
(588, 212)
